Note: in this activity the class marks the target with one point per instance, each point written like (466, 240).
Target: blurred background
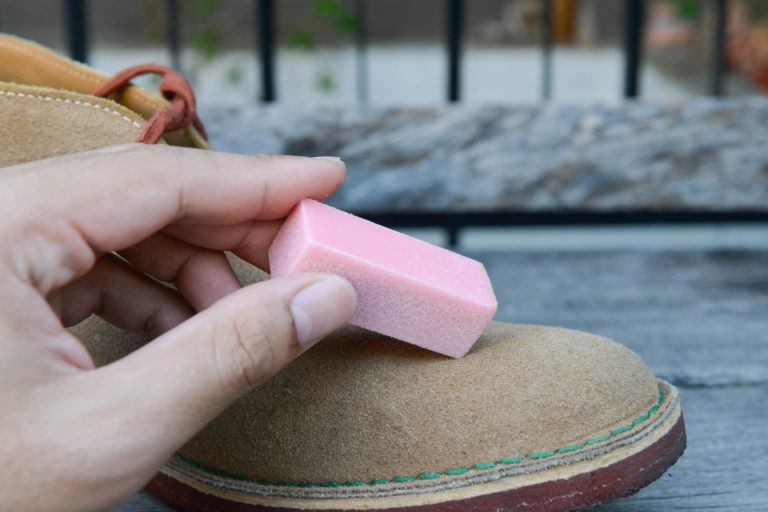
(396, 52)
(606, 160)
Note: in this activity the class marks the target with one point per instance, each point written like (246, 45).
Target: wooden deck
(700, 320)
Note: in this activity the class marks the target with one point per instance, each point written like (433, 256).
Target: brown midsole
(580, 491)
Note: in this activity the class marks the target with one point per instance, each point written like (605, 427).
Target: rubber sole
(569, 487)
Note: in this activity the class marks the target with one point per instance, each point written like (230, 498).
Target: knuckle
(49, 254)
(137, 152)
(256, 348)
(162, 156)
(253, 353)
(117, 149)
(201, 258)
(131, 147)
(168, 159)
(263, 201)
(265, 158)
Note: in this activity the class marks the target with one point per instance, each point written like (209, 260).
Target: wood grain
(698, 318)
(725, 464)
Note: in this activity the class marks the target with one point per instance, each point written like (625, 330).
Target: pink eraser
(406, 288)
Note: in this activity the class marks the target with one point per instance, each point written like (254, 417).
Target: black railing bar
(76, 13)
(454, 26)
(546, 49)
(634, 21)
(452, 234)
(455, 221)
(172, 32)
(265, 23)
(361, 50)
(719, 64)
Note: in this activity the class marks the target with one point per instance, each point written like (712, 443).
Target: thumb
(186, 377)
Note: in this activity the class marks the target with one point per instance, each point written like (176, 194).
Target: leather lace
(180, 113)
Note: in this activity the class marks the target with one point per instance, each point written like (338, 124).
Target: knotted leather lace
(174, 87)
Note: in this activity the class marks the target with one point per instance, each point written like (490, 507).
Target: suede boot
(533, 418)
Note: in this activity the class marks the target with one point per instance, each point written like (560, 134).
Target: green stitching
(429, 475)
(641, 419)
(620, 430)
(570, 448)
(596, 440)
(539, 455)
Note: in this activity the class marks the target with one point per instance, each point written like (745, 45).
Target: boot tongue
(174, 87)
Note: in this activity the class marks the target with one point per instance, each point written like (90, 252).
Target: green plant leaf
(235, 75)
(687, 9)
(346, 22)
(301, 40)
(326, 7)
(325, 80)
(207, 43)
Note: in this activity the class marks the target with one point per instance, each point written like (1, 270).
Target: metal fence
(265, 23)
(634, 18)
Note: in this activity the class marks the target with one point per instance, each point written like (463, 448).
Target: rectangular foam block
(406, 288)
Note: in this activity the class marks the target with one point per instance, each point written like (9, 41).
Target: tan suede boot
(533, 418)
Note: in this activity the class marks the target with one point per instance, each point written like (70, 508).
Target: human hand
(79, 438)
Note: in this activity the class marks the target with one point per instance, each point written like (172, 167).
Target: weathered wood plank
(725, 464)
(696, 317)
(702, 155)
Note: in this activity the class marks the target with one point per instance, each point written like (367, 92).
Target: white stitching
(75, 102)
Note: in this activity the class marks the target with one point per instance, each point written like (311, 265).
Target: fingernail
(331, 158)
(321, 308)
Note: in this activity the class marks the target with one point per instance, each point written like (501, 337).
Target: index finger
(116, 197)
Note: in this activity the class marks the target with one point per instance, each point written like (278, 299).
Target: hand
(79, 438)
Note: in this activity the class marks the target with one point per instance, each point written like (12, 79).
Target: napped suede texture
(40, 123)
(360, 406)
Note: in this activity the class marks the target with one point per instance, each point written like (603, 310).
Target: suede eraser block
(407, 289)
